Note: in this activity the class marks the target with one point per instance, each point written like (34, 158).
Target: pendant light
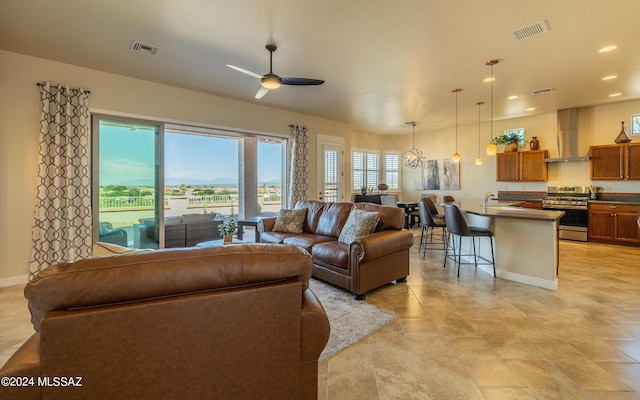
(413, 157)
(479, 159)
(456, 156)
(492, 149)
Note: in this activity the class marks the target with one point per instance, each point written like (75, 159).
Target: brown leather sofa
(366, 264)
(235, 322)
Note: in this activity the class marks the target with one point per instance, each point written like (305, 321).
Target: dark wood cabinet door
(532, 165)
(626, 227)
(507, 167)
(600, 225)
(607, 163)
(633, 161)
(614, 223)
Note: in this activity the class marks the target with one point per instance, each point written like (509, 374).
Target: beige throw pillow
(359, 223)
(290, 221)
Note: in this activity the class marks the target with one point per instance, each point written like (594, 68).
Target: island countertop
(525, 241)
(511, 209)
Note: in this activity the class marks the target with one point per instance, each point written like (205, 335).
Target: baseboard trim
(16, 280)
(529, 280)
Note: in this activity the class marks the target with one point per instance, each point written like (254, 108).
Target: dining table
(409, 206)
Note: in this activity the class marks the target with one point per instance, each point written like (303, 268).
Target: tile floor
(478, 337)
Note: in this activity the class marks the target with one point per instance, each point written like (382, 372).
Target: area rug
(351, 320)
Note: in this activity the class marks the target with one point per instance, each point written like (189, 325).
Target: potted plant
(227, 230)
(510, 140)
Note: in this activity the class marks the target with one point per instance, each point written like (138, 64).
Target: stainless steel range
(573, 200)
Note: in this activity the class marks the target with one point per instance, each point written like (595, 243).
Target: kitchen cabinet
(615, 162)
(533, 204)
(523, 166)
(614, 223)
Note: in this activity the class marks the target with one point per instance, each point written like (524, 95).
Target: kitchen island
(525, 241)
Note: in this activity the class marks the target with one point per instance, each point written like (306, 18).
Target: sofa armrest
(266, 224)
(379, 244)
(25, 363)
(314, 335)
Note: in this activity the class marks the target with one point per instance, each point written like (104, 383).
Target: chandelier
(413, 157)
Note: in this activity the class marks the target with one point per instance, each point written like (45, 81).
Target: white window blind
(392, 170)
(366, 171)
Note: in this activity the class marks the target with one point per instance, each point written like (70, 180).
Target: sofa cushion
(306, 240)
(390, 217)
(290, 220)
(332, 253)
(196, 218)
(275, 237)
(314, 210)
(359, 223)
(333, 218)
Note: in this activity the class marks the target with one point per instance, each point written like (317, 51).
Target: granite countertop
(511, 209)
(618, 202)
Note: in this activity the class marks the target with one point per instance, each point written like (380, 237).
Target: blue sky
(127, 155)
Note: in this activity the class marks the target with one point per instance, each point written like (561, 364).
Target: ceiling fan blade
(244, 71)
(261, 92)
(301, 81)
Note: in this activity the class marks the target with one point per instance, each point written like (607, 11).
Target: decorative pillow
(290, 221)
(359, 223)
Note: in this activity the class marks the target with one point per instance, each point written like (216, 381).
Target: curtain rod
(58, 87)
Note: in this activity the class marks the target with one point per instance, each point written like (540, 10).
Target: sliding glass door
(150, 178)
(126, 182)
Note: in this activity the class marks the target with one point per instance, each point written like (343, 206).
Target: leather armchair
(235, 322)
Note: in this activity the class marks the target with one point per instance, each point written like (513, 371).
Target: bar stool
(457, 225)
(429, 224)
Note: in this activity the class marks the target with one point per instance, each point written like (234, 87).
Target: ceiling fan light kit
(271, 81)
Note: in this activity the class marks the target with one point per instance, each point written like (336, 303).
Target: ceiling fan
(271, 81)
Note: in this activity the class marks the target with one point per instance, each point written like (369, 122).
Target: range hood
(568, 137)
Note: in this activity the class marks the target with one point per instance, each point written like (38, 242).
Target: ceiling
(384, 62)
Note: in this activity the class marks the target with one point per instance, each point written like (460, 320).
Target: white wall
(19, 127)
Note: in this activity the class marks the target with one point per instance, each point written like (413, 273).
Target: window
(365, 170)
(392, 170)
(147, 174)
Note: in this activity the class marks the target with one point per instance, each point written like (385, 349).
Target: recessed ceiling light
(615, 94)
(609, 77)
(512, 97)
(530, 109)
(489, 79)
(607, 49)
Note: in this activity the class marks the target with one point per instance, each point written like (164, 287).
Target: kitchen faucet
(486, 198)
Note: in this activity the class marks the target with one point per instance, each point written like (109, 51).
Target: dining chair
(432, 208)
(428, 225)
(387, 200)
(449, 199)
(457, 226)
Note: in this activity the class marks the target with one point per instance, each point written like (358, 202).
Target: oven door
(573, 225)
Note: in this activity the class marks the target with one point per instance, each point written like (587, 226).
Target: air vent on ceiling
(531, 30)
(543, 91)
(138, 47)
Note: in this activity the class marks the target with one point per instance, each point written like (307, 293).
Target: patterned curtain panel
(299, 171)
(62, 228)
